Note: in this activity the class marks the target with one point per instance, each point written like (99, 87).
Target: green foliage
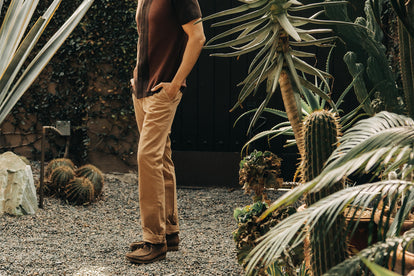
(17, 72)
(249, 231)
(378, 145)
(94, 175)
(321, 132)
(368, 55)
(80, 191)
(101, 53)
(258, 171)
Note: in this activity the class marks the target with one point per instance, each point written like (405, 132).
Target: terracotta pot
(359, 240)
(409, 261)
(407, 224)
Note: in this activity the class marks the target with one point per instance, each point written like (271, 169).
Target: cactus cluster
(76, 185)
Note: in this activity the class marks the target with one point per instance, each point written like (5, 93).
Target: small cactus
(60, 177)
(80, 191)
(94, 175)
(57, 163)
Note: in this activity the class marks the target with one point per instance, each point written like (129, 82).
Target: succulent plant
(57, 163)
(80, 191)
(94, 175)
(59, 178)
(258, 171)
(249, 230)
(321, 131)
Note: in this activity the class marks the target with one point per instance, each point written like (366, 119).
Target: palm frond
(290, 232)
(378, 253)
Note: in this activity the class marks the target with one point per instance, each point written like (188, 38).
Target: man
(169, 45)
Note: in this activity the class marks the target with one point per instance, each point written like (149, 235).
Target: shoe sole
(169, 248)
(138, 261)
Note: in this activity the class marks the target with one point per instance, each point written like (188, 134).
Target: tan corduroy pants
(156, 173)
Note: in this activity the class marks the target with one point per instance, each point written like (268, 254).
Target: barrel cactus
(57, 163)
(60, 177)
(80, 191)
(94, 175)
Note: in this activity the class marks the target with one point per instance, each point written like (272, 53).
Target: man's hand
(133, 84)
(170, 88)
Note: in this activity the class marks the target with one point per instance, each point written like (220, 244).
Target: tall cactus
(406, 42)
(321, 131)
(367, 44)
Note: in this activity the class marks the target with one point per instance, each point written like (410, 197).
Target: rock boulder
(17, 190)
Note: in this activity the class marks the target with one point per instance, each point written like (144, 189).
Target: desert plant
(53, 164)
(321, 133)
(379, 145)
(367, 57)
(94, 175)
(267, 28)
(14, 49)
(249, 230)
(80, 191)
(59, 178)
(258, 171)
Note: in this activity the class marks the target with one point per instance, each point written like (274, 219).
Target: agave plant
(15, 47)
(272, 29)
(379, 145)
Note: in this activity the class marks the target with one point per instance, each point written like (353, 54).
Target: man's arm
(196, 39)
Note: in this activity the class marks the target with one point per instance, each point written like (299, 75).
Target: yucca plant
(15, 47)
(377, 145)
(272, 29)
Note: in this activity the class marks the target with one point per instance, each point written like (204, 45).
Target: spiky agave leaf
(265, 26)
(80, 191)
(94, 175)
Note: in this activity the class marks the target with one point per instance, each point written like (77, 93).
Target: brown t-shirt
(161, 41)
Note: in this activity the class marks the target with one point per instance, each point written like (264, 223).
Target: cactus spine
(60, 177)
(94, 175)
(80, 191)
(321, 131)
(57, 163)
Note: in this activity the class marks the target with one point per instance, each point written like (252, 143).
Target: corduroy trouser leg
(156, 173)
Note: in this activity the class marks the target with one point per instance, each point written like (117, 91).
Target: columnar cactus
(321, 131)
(406, 42)
(94, 175)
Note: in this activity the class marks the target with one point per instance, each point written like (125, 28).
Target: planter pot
(408, 258)
(359, 240)
(407, 224)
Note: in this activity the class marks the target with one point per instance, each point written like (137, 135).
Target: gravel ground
(92, 240)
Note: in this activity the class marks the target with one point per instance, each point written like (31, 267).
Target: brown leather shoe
(173, 241)
(147, 253)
